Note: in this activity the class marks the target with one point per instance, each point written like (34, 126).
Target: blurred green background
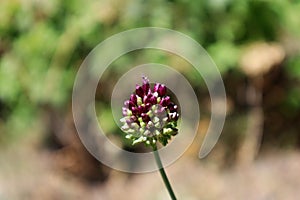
(255, 44)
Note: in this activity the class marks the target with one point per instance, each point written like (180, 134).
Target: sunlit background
(256, 46)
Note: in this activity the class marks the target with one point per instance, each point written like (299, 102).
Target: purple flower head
(160, 89)
(149, 115)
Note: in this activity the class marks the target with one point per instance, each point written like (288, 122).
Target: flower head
(149, 115)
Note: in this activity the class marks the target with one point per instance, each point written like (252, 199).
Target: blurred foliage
(42, 43)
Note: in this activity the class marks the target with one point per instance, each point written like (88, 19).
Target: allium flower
(149, 115)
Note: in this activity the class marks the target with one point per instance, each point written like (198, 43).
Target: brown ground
(29, 172)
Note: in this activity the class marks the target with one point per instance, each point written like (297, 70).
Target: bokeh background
(255, 44)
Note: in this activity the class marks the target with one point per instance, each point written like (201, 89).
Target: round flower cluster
(149, 115)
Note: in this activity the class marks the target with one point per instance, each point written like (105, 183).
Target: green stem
(163, 173)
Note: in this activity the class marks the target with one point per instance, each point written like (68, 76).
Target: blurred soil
(30, 172)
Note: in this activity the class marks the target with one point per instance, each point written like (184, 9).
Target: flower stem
(163, 173)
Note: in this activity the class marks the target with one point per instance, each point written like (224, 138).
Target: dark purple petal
(146, 88)
(148, 106)
(142, 109)
(139, 91)
(173, 108)
(153, 100)
(145, 117)
(150, 99)
(131, 104)
(165, 101)
(135, 110)
(156, 86)
(162, 90)
(133, 98)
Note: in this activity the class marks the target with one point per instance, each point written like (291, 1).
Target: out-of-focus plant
(42, 43)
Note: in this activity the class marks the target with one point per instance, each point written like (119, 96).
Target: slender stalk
(163, 173)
